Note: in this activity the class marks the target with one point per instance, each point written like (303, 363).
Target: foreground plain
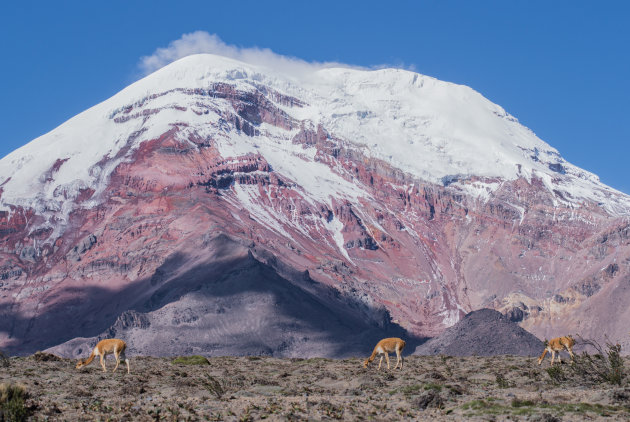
(254, 388)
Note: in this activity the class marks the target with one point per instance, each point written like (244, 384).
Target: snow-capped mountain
(225, 207)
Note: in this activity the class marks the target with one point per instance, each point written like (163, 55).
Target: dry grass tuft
(191, 360)
(4, 360)
(12, 402)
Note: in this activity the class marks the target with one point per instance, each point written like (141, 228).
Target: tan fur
(557, 345)
(105, 347)
(384, 348)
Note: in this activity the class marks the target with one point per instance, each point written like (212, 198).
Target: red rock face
(425, 253)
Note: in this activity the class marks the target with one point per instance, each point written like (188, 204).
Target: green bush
(502, 382)
(433, 386)
(191, 360)
(605, 366)
(12, 402)
(516, 402)
(556, 373)
(411, 389)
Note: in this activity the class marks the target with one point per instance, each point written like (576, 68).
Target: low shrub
(12, 402)
(433, 386)
(191, 360)
(502, 382)
(4, 360)
(516, 402)
(214, 386)
(556, 373)
(604, 366)
(411, 389)
(45, 357)
(331, 410)
(430, 399)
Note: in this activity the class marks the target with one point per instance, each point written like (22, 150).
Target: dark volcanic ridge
(485, 332)
(246, 307)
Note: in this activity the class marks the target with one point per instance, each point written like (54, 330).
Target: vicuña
(104, 348)
(557, 345)
(384, 348)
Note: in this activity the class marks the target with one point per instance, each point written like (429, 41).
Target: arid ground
(254, 388)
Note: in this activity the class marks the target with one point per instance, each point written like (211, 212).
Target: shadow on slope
(229, 304)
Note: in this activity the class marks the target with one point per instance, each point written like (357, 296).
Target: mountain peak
(434, 131)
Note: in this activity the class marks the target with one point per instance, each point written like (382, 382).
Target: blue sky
(561, 67)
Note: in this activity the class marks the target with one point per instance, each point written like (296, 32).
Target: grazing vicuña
(384, 348)
(104, 348)
(557, 345)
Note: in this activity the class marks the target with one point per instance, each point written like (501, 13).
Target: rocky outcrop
(485, 332)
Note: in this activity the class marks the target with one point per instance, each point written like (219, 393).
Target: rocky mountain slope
(221, 207)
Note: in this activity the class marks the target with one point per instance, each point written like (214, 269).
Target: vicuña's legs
(571, 353)
(379, 363)
(553, 356)
(398, 360)
(103, 363)
(387, 359)
(117, 356)
(123, 357)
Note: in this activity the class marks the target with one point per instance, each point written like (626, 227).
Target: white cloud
(202, 42)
